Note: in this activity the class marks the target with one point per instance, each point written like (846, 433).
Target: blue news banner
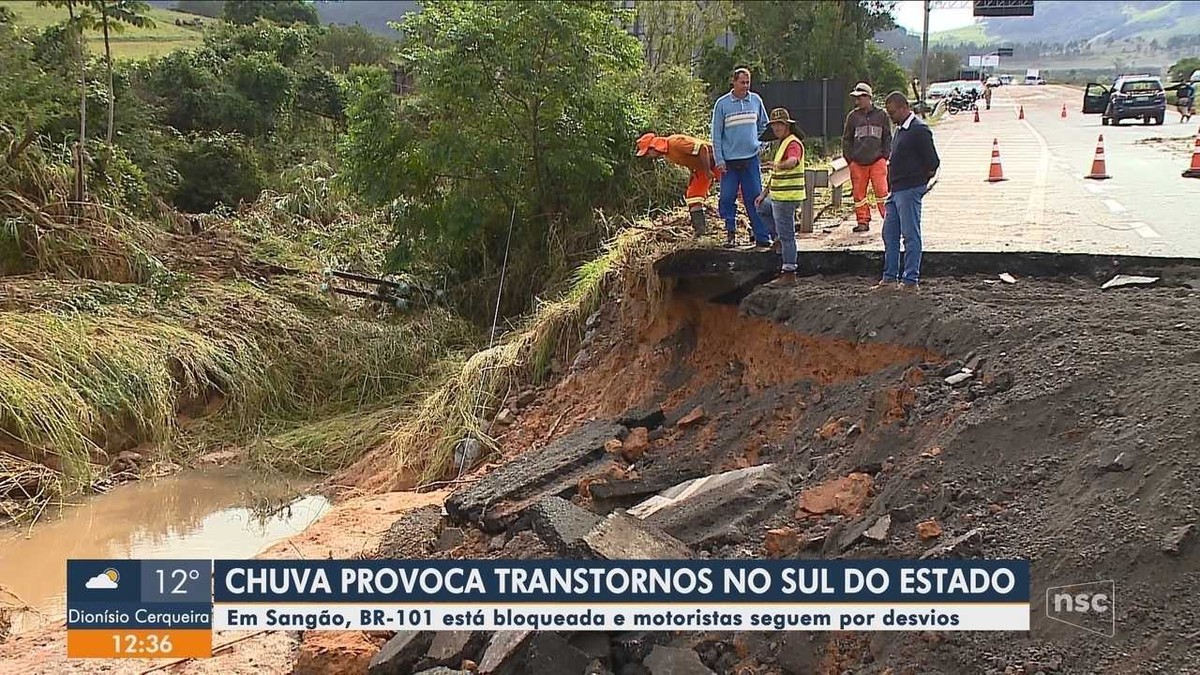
(861, 595)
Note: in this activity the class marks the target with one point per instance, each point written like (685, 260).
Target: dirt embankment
(1071, 443)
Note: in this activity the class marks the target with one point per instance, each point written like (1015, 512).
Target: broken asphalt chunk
(644, 417)
(504, 652)
(959, 377)
(562, 525)
(450, 647)
(623, 537)
(1128, 280)
(551, 653)
(719, 507)
(879, 531)
(962, 546)
(675, 661)
(594, 645)
(400, 654)
(495, 501)
(640, 488)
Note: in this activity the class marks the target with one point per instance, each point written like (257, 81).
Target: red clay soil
(1072, 445)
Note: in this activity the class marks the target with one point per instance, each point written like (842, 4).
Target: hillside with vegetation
(1105, 36)
(166, 222)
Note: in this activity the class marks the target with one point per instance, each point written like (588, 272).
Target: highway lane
(1045, 203)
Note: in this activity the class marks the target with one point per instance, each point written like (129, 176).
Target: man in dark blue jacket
(913, 165)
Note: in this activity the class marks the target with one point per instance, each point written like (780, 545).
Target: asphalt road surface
(1045, 203)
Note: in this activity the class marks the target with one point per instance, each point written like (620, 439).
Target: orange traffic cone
(996, 172)
(1099, 172)
(1194, 170)
(1064, 112)
(977, 114)
(1022, 115)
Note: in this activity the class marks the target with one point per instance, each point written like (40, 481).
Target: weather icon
(105, 580)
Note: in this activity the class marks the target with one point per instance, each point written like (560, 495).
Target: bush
(217, 169)
(524, 117)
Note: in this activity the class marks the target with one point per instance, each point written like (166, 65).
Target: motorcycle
(960, 103)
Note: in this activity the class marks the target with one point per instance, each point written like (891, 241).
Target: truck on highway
(1034, 76)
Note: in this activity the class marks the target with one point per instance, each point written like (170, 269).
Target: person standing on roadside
(866, 146)
(738, 119)
(1185, 101)
(913, 164)
(785, 186)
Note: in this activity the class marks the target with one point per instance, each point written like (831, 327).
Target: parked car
(1006, 80)
(1130, 97)
(993, 81)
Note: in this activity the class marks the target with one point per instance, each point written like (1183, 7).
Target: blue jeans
(903, 220)
(781, 223)
(742, 173)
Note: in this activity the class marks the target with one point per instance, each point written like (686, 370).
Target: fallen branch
(15, 149)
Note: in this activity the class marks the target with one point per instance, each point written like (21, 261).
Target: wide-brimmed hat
(862, 89)
(780, 115)
(649, 141)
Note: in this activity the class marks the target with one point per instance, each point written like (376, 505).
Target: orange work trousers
(860, 176)
(698, 187)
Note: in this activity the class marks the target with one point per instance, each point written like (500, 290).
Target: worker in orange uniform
(693, 154)
(866, 147)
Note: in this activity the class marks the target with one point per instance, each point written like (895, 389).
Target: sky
(909, 14)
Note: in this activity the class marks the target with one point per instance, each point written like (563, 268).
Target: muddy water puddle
(197, 514)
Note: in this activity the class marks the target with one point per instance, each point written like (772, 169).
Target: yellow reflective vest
(787, 185)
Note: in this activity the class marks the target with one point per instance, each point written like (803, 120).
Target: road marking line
(1114, 205)
(1092, 188)
(1146, 231)
(1036, 209)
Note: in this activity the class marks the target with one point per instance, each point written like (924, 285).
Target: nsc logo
(1090, 606)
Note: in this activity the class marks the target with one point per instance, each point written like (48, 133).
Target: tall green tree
(79, 18)
(1184, 68)
(882, 71)
(286, 12)
(787, 40)
(943, 65)
(675, 32)
(114, 14)
(524, 115)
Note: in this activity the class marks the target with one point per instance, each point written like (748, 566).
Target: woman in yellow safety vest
(784, 185)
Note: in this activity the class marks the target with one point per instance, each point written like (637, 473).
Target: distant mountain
(1061, 21)
(373, 15)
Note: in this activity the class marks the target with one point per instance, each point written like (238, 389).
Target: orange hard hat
(650, 140)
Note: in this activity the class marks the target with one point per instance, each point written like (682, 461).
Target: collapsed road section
(1035, 417)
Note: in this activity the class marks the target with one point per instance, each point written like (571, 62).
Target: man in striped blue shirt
(739, 118)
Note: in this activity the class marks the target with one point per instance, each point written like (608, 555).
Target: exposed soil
(1071, 445)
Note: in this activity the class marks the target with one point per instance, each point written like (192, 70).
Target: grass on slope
(131, 42)
(423, 441)
(973, 33)
(110, 342)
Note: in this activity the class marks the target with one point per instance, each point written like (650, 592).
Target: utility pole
(925, 57)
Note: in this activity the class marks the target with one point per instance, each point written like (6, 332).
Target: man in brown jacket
(866, 146)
